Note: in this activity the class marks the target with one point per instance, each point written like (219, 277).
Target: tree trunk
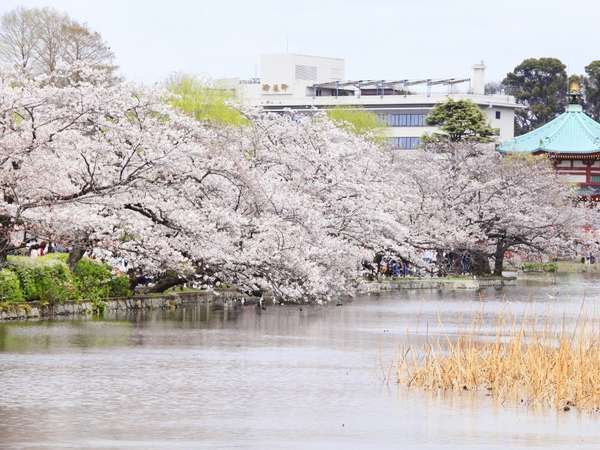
(135, 279)
(5, 241)
(480, 263)
(75, 256)
(164, 283)
(499, 258)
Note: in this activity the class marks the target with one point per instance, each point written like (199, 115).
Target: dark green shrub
(27, 277)
(93, 279)
(56, 283)
(119, 286)
(10, 287)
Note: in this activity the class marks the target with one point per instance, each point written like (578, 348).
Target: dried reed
(532, 364)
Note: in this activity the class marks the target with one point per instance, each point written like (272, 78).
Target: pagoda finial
(575, 94)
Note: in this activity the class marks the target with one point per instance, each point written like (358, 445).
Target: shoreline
(73, 309)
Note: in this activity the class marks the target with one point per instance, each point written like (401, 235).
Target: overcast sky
(384, 39)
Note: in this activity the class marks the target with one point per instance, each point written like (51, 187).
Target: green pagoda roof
(571, 132)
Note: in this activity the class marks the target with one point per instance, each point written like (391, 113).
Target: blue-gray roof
(571, 132)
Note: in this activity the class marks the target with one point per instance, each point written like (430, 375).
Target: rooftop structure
(306, 83)
(571, 141)
(573, 133)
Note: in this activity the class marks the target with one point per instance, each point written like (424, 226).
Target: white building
(302, 82)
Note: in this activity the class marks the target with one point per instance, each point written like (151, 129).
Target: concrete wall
(436, 284)
(506, 122)
(408, 131)
(571, 178)
(35, 310)
(290, 68)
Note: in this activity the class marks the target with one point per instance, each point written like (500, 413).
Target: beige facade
(302, 82)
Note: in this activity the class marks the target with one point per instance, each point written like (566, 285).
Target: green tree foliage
(357, 121)
(204, 102)
(459, 120)
(541, 85)
(592, 89)
(95, 281)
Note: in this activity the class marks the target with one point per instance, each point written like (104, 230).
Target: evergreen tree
(592, 89)
(459, 120)
(541, 85)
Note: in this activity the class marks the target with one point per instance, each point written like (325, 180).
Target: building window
(405, 143)
(498, 114)
(596, 179)
(404, 120)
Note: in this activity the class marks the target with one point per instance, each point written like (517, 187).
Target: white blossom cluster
(289, 203)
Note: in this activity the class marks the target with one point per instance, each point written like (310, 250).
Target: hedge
(49, 280)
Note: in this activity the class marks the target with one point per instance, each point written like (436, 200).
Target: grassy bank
(577, 267)
(539, 267)
(557, 267)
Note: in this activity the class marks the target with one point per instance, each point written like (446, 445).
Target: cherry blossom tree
(482, 203)
(64, 148)
(289, 204)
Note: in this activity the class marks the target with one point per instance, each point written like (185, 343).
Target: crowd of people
(440, 263)
(37, 248)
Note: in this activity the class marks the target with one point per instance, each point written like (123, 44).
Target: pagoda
(571, 141)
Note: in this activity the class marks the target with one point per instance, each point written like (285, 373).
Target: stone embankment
(35, 310)
(449, 283)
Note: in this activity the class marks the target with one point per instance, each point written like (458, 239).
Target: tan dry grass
(531, 364)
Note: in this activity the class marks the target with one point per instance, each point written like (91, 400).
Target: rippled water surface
(287, 377)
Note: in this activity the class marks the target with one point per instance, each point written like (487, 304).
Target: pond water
(285, 377)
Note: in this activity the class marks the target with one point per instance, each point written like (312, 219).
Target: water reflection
(287, 377)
